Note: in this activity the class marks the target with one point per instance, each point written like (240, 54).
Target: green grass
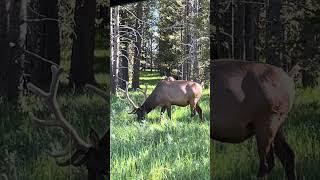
(303, 133)
(30, 142)
(154, 149)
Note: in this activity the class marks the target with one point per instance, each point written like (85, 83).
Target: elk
(94, 153)
(253, 99)
(167, 93)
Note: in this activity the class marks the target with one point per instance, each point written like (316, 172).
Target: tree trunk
(82, 57)
(188, 42)
(215, 36)
(4, 50)
(251, 37)
(124, 67)
(194, 37)
(274, 33)
(239, 31)
(13, 33)
(137, 52)
(44, 40)
(115, 48)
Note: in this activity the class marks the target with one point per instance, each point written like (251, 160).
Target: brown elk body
(253, 99)
(167, 93)
(93, 154)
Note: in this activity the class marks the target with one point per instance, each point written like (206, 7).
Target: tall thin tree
(82, 57)
(137, 52)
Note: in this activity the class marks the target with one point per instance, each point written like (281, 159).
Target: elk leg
(270, 159)
(192, 108)
(199, 110)
(163, 109)
(285, 154)
(169, 111)
(265, 134)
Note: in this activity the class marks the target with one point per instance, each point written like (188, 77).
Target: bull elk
(253, 99)
(167, 93)
(93, 154)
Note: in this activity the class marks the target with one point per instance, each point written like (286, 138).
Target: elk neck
(149, 104)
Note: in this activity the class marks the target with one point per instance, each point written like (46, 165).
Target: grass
(302, 130)
(29, 142)
(154, 149)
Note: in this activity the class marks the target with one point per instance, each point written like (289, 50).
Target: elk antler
(98, 91)
(50, 99)
(126, 92)
(144, 92)
(130, 100)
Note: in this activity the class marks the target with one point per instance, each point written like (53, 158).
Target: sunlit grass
(159, 149)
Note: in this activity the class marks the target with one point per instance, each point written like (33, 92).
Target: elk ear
(94, 138)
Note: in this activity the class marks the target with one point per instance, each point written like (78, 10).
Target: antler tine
(51, 102)
(98, 91)
(59, 154)
(128, 97)
(4, 176)
(56, 72)
(144, 92)
(72, 159)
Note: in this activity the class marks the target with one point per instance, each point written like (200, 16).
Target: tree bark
(115, 48)
(251, 37)
(239, 31)
(4, 50)
(274, 35)
(124, 67)
(12, 39)
(194, 37)
(44, 40)
(82, 57)
(137, 52)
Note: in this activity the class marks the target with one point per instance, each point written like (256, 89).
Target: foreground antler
(95, 154)
(50, 99)
(98, 91)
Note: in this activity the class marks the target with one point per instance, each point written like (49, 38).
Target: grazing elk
(93, 154)
(166, 93)
(253, 99)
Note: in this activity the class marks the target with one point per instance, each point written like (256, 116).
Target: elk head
(93, 154)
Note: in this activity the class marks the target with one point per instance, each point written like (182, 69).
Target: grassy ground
(303, 134)
(170, 149)
(29, 142)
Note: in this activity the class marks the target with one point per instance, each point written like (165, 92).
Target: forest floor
(302, 130)
(154, 149)
(27, 143)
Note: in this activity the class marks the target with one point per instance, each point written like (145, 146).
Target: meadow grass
(158, 149)
(302, 129)
(30, 142)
